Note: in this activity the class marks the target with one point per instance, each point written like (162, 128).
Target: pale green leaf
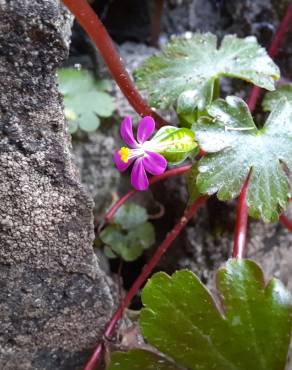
(83, 99)
(129, 244)
(89, 122)
(271, 99)
(72, 80)
(192, 64)
(129, 233)
(130, 215)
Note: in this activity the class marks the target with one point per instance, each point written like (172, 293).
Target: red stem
(273, 51)
(171, 236)
(239, 246)
(286, 222)
(95, 29)
(173, 172)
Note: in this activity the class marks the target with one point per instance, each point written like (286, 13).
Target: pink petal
(146, 128)
(139, 178)
(154, 163)
(126, 131)
(121, 166)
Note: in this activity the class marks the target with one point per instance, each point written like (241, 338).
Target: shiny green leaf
(191, 64)
(249, 330)
(234, 146)
(272, 98)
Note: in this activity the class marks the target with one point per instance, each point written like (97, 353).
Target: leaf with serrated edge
(272, 98)
(193, 62)
(250, 331)
(234, 146)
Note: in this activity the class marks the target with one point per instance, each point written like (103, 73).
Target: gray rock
(54, 297)
(94, 158)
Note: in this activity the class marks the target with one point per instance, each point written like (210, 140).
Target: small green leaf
(104, 85)
(83, 100)
(232, 113)
(234, 146)
(90, 121)
(249, 331)
(72, 80)
(129, 245)
(193, 63)
(271, 99)
(186, 103)
(129, 233)
(174, 143)
(130, 215)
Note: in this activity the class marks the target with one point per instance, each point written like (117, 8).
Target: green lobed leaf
(250, 330)
(84, 98)
(189, 65)
(129, 245)
(271, 99)
(234, 146)
(129, 233)
(72, 80)
(130, 215)
(174, 143)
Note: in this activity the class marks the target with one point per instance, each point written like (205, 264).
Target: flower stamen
(124, 153)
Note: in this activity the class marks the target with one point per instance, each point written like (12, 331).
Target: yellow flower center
(124, 153)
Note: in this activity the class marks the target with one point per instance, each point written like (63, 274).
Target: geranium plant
(248, 326)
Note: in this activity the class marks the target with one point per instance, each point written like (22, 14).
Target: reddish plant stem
(95, 29)
(173, 172)
(286, 222)
(273, 51)
(239, 245)
(148, 268)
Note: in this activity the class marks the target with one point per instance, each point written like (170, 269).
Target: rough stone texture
(54, 297)
(99, 176)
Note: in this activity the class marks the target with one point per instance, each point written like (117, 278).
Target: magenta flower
(141, 152)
